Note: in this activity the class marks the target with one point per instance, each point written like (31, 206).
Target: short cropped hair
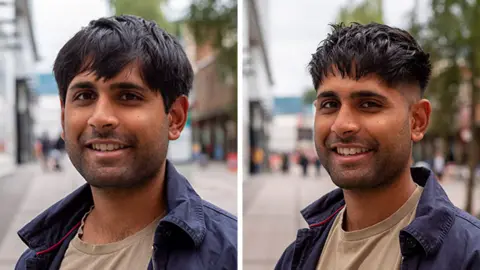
(360, 50)
(107, 45)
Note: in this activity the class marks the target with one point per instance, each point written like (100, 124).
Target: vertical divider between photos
(240, 133)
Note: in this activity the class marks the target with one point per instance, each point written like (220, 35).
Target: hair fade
(360, 50)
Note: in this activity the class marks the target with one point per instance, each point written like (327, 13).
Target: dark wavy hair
(107, 45)
(360, 50)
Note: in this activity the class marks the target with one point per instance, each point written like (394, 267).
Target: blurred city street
(272, 204)
(29, 191)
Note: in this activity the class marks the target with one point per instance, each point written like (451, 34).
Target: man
(370, 80)
(57, 150)
(123, 86)
(45, 147)
(303, 161)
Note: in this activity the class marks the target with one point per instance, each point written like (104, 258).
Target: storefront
(7, 117)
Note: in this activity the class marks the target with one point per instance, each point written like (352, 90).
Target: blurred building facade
(292, 127)
(212, 99)
(455, 142)
(47, 109)
(17, 62)
(258, 82)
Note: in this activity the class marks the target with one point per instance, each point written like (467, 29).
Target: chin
(107, 177)
(353, 179)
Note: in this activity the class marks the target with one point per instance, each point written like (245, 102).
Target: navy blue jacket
(193, 235)
(440, 237)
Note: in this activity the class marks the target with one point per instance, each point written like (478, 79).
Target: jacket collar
(50, 228)
(434, 217)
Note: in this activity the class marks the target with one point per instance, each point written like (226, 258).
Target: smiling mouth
(106, 147)
(350, 151)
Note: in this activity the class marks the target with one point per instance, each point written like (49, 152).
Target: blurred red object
(232, 161)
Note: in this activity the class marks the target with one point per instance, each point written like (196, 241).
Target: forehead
(131, 73)
(344, 86)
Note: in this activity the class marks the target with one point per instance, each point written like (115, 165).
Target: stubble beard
(143, 168)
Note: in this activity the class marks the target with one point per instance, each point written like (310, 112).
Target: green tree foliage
(147, 9)
(451, 36)
(364, 12)
(214, 22)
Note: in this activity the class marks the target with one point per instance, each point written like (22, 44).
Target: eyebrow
(81, 85)
(120, 85)
(354, 95)
(126, 85)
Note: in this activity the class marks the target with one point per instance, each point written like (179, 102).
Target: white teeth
(351, 151)
(107, 147)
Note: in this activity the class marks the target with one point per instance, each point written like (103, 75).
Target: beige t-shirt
(133, 252)
(375, 247)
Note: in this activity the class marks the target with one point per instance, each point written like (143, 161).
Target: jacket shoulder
(22, 261)
(215, 210)
(467, 226)
(221, 235)
(220, 221)
(285, 261)
(461, 245)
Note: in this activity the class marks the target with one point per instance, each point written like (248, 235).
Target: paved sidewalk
(272, 218)
(272, 204)
(216, 184)
(44, 190)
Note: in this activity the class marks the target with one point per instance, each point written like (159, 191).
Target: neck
(123, 212)
(385, 201)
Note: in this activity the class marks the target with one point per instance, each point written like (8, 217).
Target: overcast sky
(296, 30)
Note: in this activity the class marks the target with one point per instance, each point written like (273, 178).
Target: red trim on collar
(59, 242)
(326, 220)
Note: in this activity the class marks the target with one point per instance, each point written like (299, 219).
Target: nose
(103, 118)
(346, 124)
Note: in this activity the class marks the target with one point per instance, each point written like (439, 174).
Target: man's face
(363, 131)
(116, 131)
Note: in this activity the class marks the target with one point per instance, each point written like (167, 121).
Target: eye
(129, 97)
(370, 104)
(85, 96)
(329, 105)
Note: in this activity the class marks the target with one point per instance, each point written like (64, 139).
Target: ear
(420, 119)
(62, 106)
(177, 117)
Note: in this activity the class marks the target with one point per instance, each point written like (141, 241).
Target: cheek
(321, 130)
(146, 124)
(392, 130)
(74, 122)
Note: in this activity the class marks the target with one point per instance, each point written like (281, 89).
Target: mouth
(351, 155)
(106, 147)
(350, 151)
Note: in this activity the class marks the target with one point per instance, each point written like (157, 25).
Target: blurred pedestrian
(123, 85)
(318, 166)
(45, 148)
(303, 160)
(285, 163)
(370, 81)
(56, 154)
(258, 159)
(439, 164)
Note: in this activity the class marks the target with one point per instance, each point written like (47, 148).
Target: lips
(347, 151)
(105, 147)
(350, 156)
